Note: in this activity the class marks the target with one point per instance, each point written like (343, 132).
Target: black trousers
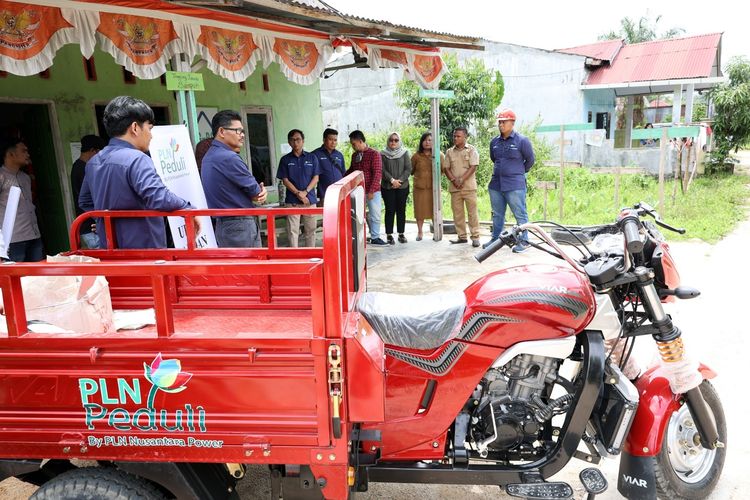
(395, 205)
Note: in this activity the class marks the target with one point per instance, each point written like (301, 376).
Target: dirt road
(715, 327)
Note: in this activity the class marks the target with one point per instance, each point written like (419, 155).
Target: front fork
(672, 350)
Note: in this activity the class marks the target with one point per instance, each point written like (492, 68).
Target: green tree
(731, 115)
(478, 92)
(641, 30)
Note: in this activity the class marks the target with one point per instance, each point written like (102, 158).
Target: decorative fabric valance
(424, 65)
(142, 35)
(30, 37)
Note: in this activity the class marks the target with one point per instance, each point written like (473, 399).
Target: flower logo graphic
(165, 375)
(173, 145)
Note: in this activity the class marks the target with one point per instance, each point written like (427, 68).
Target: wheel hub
(689, 459)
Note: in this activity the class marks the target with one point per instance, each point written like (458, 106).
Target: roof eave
(655, 86)
(336, 24)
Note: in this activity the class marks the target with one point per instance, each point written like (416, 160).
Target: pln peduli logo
(106, 401)
(171, 163)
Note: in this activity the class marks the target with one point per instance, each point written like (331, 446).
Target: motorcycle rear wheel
(683, 468)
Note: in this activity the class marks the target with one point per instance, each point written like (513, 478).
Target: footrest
(540, 490)
(593, 480)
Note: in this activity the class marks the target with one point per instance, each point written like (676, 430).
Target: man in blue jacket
(512, 156)
(123, 177)
(228, 182)
(331, 162)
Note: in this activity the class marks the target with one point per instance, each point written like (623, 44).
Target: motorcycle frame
(592, 373)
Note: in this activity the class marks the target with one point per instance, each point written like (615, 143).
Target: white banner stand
(9, 220)
(172, 153)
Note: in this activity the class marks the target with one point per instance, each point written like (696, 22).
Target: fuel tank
(533, 302)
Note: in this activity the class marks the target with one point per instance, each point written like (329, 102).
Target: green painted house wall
(72, 98)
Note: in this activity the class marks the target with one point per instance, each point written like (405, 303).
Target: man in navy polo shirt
(331, 162)
(299, 171)
(512, 156)
(122, 177)
(228, 183)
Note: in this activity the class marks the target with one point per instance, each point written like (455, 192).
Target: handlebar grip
(487, 252)
(632, 236)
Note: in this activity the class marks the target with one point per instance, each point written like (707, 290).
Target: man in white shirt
(26, 241)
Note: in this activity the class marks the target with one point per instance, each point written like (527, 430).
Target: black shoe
(475, 243)
(391, 241)
(401, 238)
(459, 240)
(378, 242)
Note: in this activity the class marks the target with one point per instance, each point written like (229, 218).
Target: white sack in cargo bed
(81, 304)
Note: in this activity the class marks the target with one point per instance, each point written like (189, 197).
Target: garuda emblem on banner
(141, 38)
(231, 49)
(25, 30)
(394, 56)
(300, 57)
(17, 31)
(428, 67)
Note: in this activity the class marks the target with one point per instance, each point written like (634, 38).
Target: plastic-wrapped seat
(413, 321)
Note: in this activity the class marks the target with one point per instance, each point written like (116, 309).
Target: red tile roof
(677, 58)
(604, 51)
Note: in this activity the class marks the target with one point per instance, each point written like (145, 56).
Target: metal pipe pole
(437, 200)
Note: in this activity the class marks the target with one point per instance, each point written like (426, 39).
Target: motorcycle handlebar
(630, 225)
(491, 249)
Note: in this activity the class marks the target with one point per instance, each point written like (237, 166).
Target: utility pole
(437, 199)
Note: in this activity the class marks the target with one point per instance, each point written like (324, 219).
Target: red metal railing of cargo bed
(331, 264)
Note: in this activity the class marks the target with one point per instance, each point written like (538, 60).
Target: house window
(602, 121)
(259, 142)
(161, 117)
(128, 77)
(89, 68)
(590, 115)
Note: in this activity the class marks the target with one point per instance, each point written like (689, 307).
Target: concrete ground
(714, 325)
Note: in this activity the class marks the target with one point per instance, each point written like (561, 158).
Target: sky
(555, 24)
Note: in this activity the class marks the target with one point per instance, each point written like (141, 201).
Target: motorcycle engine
(510, 415)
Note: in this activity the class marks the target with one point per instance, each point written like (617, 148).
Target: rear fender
(655, 406)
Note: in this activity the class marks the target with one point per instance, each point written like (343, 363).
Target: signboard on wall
(180, 80)
(174, 160)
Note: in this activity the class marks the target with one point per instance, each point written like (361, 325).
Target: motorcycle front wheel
(684, 469)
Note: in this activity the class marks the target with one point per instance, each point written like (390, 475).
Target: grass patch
(710, 210)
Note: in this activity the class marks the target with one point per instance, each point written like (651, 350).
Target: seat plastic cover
(413, 321)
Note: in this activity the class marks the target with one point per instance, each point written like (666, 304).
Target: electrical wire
(571, 233)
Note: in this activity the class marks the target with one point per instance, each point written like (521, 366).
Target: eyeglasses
(239, 131)
(392, 140)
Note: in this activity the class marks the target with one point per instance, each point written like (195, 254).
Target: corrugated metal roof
(604, 51)
(325, 8)
(678, 58)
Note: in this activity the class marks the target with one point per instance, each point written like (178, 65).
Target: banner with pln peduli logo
(173, 157)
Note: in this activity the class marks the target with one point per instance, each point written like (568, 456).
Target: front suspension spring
(671, 351)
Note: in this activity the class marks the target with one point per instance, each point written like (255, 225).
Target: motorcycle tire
(684, 469)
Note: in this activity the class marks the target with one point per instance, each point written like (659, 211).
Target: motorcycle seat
(413, 321)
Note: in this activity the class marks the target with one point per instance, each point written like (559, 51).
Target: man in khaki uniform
(460, 167)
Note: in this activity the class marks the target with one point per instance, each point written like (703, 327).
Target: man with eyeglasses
(229, 183)
(299, 171)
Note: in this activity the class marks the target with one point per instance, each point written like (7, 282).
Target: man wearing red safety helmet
(512, 156)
